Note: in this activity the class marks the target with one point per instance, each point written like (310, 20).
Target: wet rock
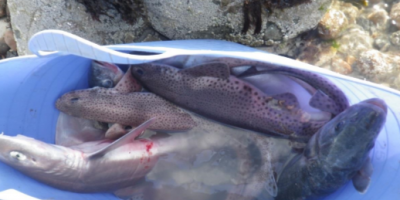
(354, 40)
(222, 19)
(395, 38)
(380, 18)
(332, 24)
(338, 65)
(348, 9)
(11, 54)
(395, 14)
(381, 42)
(3, 47)
(30, 17)
(317, 53)
(377, 66)
(10, 40)
(3, 8)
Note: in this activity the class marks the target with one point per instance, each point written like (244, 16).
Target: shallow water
(361, 41)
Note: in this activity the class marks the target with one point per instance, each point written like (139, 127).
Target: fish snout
(69, 103)
(378, 102)
(137, 71)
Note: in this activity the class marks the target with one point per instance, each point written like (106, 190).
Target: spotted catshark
(210, 90)
(100, 166)
(125, 106)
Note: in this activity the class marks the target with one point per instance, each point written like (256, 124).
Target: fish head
(345, 141)
(104, 74)
(79, 102)
(152, 73)
(27, 154)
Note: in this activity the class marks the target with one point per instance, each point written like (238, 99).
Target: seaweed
(252, 11)
(130, 10)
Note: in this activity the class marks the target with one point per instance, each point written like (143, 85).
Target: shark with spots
(125, 106)
(326, 96)
(210, 90)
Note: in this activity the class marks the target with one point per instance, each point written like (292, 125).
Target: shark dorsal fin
(129, 137)
(128, 84)
(215, 69)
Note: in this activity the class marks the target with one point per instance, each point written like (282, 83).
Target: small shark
(125, 106)
(326, 96)
(130, 109)
(210, 90)
(98, 166)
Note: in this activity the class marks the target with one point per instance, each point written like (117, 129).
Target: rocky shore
(355, 38)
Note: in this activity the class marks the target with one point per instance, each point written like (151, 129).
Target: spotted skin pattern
(225, 98)
(328, 98)
(131, 109)
(325, 88)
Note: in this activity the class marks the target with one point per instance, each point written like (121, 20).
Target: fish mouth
(107, 65)
(378, 102)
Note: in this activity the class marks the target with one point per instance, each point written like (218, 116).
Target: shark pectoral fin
(321, 101)
(128, 84)
(129, 137)
(116, 131)
(287, 100)
(217, 70)
(362, 179)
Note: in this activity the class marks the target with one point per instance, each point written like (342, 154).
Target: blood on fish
(148, 147)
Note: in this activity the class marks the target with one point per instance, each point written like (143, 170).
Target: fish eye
(107, 83)
(74, 100)
(139, 71)
(18, 155)
(339, 126)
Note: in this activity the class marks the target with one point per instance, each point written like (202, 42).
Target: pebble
(381, 42)
(317, 53)
(380, 18)
(338, 65)
(376, 65)
(395, 14)
(10, 40)
(332, 24)
(395, 38)
(3, 47)
(354, 40)
(348, 9)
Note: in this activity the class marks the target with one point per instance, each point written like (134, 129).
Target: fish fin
(116, 131)
(288, 100)
(362, 179)
(128, 84)
(249, 72)
(323, 102)
(215, 69)
(129, 137)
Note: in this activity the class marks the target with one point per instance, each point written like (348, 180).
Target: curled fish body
(211, 91)
(337, 153)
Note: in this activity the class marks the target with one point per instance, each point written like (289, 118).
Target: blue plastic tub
(30, 86)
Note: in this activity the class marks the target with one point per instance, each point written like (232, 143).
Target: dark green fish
(337, 153)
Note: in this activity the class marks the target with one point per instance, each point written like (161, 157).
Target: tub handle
(57, 42)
